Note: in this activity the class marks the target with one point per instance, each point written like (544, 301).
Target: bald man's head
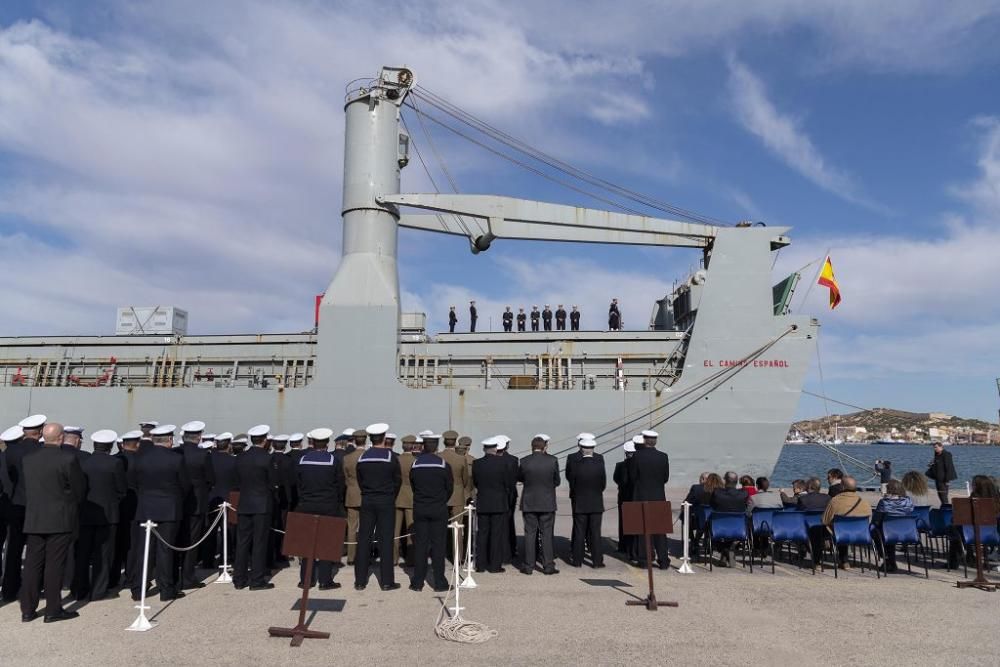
(850, 484)
(52, 434)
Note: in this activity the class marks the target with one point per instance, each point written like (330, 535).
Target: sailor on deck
(574, 319)
(473, 316)
(432, 483)
(452, 319)
(521, 319)
(508, 319)
(560, 318)
(614, 316)
(379, 480)
(535, 315)
(547, 318)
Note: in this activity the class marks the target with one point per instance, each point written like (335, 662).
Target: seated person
(835, 480)
(764, 498)
(982, 486)
(812, 500)
(746, 483)
(694, 494)
(915, 484)
(792, 501)
(846, 503)
(729, 499)
(895, 502)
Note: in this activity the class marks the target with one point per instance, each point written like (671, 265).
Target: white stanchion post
(685, 567)
(224, 576)
(455, 526)
(469, 582)
(141, 623)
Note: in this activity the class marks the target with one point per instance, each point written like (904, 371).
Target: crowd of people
(75, 519)
(538, 318)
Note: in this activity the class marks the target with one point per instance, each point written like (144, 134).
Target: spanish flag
(826, 279)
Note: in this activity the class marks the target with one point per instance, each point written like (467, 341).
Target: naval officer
(560, 318)
(404, 499)
(535, 315)
(614, 316)
(508, 320)
(379, 480)
(31, 431)
(320, 482)
(521, 318)
(162, 485)
(99, 518)
(198, 463)
(128, 535)
(472, 317)
(547, 318)
(503, 449)
(432, 484)
(492, 480)
(257, 481)
(624, 496)
(574, 319)
(295, 450)
(586, 491)
(452, 320)
(54, 486)
(224, 473)
(648, 473)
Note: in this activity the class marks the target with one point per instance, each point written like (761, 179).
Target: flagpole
(815, 278)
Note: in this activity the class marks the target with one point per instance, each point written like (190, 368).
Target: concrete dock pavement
(728, 616)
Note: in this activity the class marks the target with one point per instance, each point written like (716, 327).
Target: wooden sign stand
(312, 537)
(648, 518)
(976, 512)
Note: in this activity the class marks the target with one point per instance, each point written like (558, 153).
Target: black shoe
(238, 587)
(442, 589)
(61, 615)
(262, 587)
(526, 570)
(574, 563)
(480, 570)
(391, 587)
(550, 570)
(598, 566)
(176, 596)
(498, 570)
(28, 618)
(415, 588)
(360, 587)
(193, 584)
(329, 587)
(136, 596)
(662, 566)
(301, 586)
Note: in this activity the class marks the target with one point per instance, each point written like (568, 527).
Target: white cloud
(984, 192)
(782, 135)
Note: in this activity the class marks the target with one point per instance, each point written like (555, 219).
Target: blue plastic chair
(940, 530)
(760, 527)
(729, 526)
(895, 531)
(790, 528)
(988, 535)
(701, 517)
(922, 513)
(814, 524)
(852, 531)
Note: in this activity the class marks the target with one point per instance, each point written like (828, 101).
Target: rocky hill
(886, 422)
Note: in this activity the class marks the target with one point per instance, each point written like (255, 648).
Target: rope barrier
(211, 529)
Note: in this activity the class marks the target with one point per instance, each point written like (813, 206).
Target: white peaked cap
(638, 440)
(208, 436)
(542, 436)
(588, 443)
(490, 442)
(585, 436)
(193, 427)
(425, 432)
(283, 437)
(349, 432)
(629, 446)
(34, 421)
(259, 430)
(225, 435)
(104, 436)
(377, 429)
(296, 437)
(320, 434)
(419, 440)
(502, 442)
(13, 433)
(131, 435)
(390, 436)
(75, 430)
(650, 434)
(149, 422)
(166, 429)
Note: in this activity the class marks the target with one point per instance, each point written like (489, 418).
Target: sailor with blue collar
(320, 483)
(432, 483)
(379, 479)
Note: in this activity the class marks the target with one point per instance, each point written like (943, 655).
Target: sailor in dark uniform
(11, 435)
(286, 495)
(586, 491)
(295, 450)
(473, 316)
(503, 449)
(624, 496)
(452, 320)
(379, 480)
(560, 318)
(161, 481)
(491, 476)
(648, 472)
(571, 462)
(340, 447)
(239, 445)
(128, 535)
(31, 428)
(521, 319)
(574, 319)
(535, 315)
(226, 481)
(257, 480)
(614, 316)
(198, 463)
(146, 441)
(547, 318)
(432, 484)
(320, 483)
(508, 320)
(99, 518)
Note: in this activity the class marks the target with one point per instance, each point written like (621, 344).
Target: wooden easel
(648, 518)
(975, 512)
(312, 537)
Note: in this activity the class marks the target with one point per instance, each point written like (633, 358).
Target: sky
(190, 154)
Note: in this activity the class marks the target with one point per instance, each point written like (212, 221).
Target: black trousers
(490, 539)
(95, 549)
(658, 544)
(376, 520)
(560, 325)
(574, 326)
(46, 553)
(166, 572)
(430, 528)
(942, 492)
(587, 532)
(451, 327)
(534, 325)
(520, 326)
(538, 525)
(192, 530)
(122, 548)
(251, 549)
(472, 325)
(510, 549)
(507, 326)
(548, 325)
(15, 547)
(322, 572)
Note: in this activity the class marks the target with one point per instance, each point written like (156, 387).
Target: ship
(717, 373)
